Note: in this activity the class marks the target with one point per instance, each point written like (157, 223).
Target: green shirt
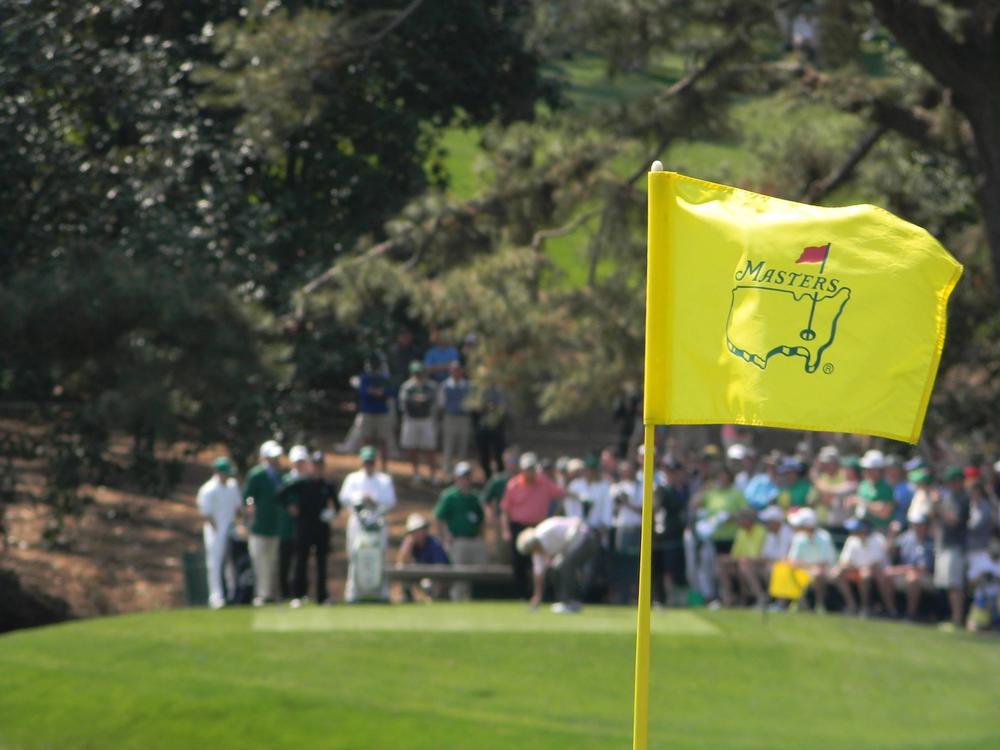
(795, 496)
(267, 512)
(728, 500)
(872, 492)
(748, 542)
(494, 489)
(461, 512)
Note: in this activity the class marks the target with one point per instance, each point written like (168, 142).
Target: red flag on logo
(814, 254)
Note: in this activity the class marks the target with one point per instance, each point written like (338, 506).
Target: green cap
(367, 453)
(919, 476)
(416, 366)
(952, 473)
(591, 462)
(222, 465)
(850, 462)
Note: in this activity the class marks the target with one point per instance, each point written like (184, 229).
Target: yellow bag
(787, 581)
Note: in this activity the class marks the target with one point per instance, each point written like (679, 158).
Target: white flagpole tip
(657, 166)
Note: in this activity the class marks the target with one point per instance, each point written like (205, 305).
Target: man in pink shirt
(526, 503)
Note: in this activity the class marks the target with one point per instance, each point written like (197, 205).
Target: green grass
(491, 676)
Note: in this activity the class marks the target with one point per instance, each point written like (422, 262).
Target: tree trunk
(969, 66)
(985, 121)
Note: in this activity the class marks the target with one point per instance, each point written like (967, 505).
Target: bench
(414, 573)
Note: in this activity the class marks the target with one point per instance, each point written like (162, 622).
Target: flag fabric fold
(742, 327)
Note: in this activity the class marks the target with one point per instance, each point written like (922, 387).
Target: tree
(172, 171)
(958, 44)
(828, 131)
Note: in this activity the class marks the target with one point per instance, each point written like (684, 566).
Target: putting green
(473, 618)
(491, 676)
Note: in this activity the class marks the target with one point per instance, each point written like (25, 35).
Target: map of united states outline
(746, 301)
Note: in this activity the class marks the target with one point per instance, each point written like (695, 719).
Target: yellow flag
(761, 311)
(787, 581)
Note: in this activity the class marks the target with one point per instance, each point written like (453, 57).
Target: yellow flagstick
(640, 713)
(640, 705)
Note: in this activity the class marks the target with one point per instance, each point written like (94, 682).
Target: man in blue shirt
(456, 424)
(420, 547)
(375, 421)
(439, 357)
(762, 489)
(902, 490)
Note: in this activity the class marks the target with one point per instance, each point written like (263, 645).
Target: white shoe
(561, 608)
(295, 603)
(216, 602)
(258, 601)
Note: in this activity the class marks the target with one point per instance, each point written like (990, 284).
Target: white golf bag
(367, 540)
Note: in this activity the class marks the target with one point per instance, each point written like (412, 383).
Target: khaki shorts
(418, 434)
(376, 428)
(949, 568)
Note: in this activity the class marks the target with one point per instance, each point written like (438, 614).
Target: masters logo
(792, 313)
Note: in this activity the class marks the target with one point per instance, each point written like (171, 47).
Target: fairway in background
(195, 679)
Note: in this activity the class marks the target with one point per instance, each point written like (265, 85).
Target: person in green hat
(365, 489)
(922, 504)
(459, 518)
(219, 502)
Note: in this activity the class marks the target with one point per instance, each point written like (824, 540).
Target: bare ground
(125, 553)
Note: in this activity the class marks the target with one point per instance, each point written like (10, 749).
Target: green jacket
(269, 517)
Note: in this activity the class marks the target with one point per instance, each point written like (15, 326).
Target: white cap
(804, 518)
(271, 449)
(415, 522)
(996, 467)
(463, 469)
(574, 465)
(873, 459)
(737, 452)
(771, 514)
(829, 453)
(524, 541)
(298, 453)
(528, 461)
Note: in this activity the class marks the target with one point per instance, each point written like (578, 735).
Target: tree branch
(819, 189)
(389, 28)
(680, 88)
(539, 237)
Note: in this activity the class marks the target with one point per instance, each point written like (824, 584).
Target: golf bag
(238, 577)
(366, 548)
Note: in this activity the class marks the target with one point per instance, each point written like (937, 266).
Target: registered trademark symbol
(827, 368)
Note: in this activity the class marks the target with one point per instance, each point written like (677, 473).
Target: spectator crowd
(863, 531)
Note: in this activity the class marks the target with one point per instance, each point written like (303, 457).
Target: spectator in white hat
(812, 550)
(742, 463)
(874, 499)
(459, 517)
(260, 495)
(421, 548)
